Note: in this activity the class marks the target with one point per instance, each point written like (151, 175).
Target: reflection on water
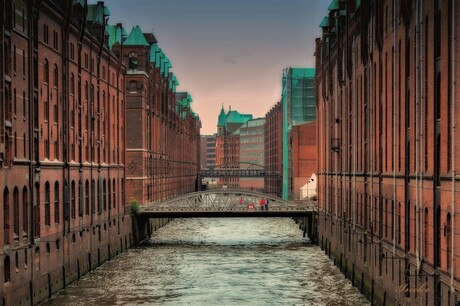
(247, 261)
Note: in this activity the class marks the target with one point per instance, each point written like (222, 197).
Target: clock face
(133, 60)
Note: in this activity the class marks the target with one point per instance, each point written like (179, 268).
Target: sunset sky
(229, 52)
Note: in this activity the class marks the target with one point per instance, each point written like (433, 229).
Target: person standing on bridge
(262, 204)
(266, 204)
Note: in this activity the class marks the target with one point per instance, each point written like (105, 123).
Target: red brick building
(61, 147)
(274, 150)
(304, 155)
(163, 133)
(79, 101)
(228, 143)
(387, 115)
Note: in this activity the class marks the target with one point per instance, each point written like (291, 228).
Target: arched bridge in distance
(225, 203)
(239, 169)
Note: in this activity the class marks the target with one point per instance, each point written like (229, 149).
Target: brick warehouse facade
(164, 162)
(64, 97)
(304, 156)
(387, 115)
(274, 149)
(63, 207)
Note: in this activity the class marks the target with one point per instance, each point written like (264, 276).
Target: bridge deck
(236, 213)
(225, 203)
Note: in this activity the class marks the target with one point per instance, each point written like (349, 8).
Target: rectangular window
(72, 51)
(55, 40)
(45, 34)
(24, 63)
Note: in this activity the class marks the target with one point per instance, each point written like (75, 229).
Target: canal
(244, 261)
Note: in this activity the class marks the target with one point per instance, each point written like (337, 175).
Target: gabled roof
(222, 117)
(150, 38)
(334, 6)
(97, 13)
(79, 2)
(232, 117)
(116, 34)
(136, 38)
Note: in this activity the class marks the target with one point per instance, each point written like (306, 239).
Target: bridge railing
(227, 200)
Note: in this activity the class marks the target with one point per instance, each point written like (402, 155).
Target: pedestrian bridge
(226, 203)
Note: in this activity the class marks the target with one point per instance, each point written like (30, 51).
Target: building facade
(162, 131)
(228, 143)
(273, 133)
(387, 116)
(208, 151)
(298, 107)
(252, 152)
(304, 156)
(80, 101)
(62, 164)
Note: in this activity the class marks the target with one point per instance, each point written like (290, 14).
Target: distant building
(208, 151)
(304, 156)
(228, 142)
(252, 151)
(274, 150)
(298, 107)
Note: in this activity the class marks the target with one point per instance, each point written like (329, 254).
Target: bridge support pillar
(140, 228)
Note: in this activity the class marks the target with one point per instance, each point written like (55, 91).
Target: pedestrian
(266, 205)
(262, 204)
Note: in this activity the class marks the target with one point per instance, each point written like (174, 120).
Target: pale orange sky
(229, 52)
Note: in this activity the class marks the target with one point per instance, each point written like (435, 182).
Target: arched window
(47, 204)
(6, 269)
(80, 199)
(104, 195)
(37, 257)
(46, 71)
(25, 212)
(6, 216)
(425, 234)
(86, 91)
(72, 201)
(37, 211)
(87, 197)
(15, 102)
(24, 146)
(56, 76)
(448, 235)
(56, 203)
(16, 213)
(109, 194)
(93, 196)
(72, 84)
(122, 198)
(114, 192)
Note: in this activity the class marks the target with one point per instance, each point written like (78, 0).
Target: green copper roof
(232, 117)
(334, 6)
(159, 55)
(222, 117)
(115, 33)
(79, 2)
(165, 65)
(136, 38)
(173, 82)
(97, 13)
(325, 22)
(153, 50)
